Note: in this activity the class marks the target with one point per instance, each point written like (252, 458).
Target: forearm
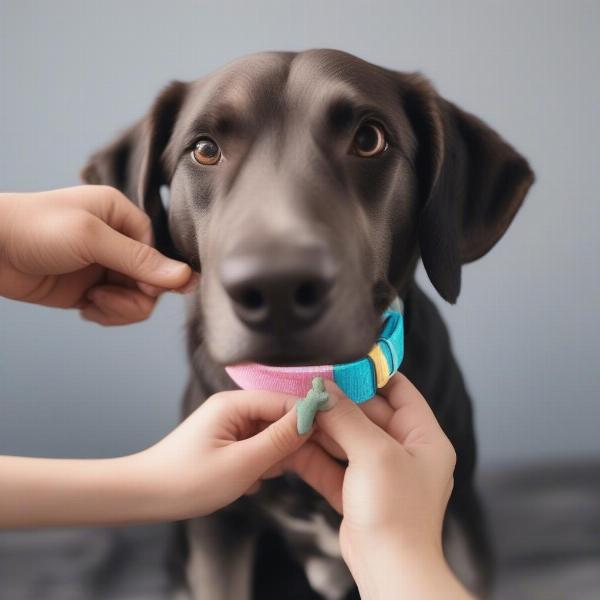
(37, 492)
(391, 572)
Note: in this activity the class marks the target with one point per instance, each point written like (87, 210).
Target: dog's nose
(279, 290)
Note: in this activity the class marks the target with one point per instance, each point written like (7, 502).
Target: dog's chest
(316, 544)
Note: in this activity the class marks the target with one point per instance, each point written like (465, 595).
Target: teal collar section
(361, 379)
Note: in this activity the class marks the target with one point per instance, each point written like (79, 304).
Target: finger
(151, 290)
(270, 446)
(378, 410)
(94, 314)
(347, 425)
(413, 421)
(120, 213)
(312, 464)
(141, 262)
(125, 303)
(69, 289)
(329, 445)
(275, 471)
(252, 406)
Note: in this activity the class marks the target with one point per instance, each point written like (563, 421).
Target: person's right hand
(394, 491)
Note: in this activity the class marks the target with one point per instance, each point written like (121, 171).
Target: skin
(392, 493)
(84, 247)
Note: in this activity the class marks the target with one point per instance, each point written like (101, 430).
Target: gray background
(525, 329)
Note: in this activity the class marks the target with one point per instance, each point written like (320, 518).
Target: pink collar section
(288, 380)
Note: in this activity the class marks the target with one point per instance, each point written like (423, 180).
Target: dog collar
(359, 379)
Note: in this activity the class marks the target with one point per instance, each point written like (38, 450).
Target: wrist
(133, 489)
(162, 499)
(173, 490)
(391, 565)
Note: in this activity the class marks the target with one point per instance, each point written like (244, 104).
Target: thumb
(139, 261)
(271, 445)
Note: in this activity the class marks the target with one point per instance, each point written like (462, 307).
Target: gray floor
(545, 523)
(546, 528)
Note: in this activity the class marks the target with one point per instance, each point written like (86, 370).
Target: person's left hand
(85, 247)
(220, 452)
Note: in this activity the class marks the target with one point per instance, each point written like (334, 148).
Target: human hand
(85, 247)
(392, 494)
(221, 451)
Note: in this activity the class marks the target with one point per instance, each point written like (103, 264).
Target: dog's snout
(279, 290)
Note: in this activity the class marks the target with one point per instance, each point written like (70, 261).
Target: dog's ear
(470, 183)
(133, 163)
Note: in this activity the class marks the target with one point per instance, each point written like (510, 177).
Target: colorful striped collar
(359, 379)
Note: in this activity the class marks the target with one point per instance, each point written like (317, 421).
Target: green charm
(316, 399)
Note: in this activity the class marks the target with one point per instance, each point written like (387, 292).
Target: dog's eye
(369, 140)
(207, 152)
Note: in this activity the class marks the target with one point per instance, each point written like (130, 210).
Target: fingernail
(150, 290)
(169, 267)
(331, 401)
(191, 285)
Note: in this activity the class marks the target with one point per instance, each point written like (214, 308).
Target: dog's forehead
(311, 70)
(243, 80)
(310, 78)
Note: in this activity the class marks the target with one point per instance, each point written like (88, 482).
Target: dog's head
(305, 187)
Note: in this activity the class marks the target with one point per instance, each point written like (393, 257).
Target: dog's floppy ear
(133, 162)
(470, 181)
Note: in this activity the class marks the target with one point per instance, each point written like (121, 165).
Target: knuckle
(111, 193)
(451, 453)
(216, 400)
(144, 306)
(400, 386)
(141, 255)
(450, 486)
(218, 397)
(88, 229)
(87, 223)
(280, 437)
(447, 456)
(342, 412)
(400, 379)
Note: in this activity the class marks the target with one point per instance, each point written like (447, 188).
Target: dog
(306, 187)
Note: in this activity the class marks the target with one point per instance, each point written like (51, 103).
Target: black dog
(306, 187)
